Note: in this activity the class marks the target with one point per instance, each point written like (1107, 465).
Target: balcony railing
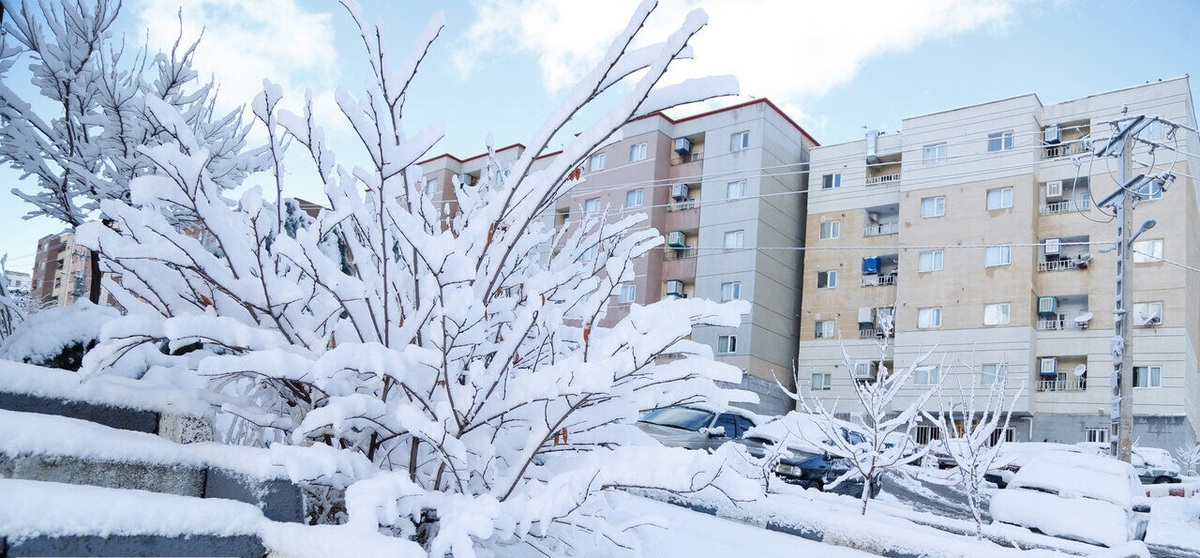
(1073, 383)
(682, 205)
(689, 158)
(1061, 323)
(673, 253)
(1064, 264)
(874, 333)
(1067, 149)
(883, 179)
(880, 229)
(1067, 206)
(879, 280)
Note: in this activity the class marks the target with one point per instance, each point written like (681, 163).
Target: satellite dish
(1080, 370)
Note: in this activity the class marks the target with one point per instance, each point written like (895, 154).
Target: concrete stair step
(72, 451)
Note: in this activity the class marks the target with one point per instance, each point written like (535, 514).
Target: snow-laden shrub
(456, 349)
(58, 337)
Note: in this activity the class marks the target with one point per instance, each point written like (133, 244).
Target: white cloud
(247, 41)
(781, 49)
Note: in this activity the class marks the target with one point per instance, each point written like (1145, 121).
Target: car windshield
(686, 418)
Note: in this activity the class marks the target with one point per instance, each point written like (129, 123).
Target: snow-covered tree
(889, 431)
(11, 312)
(456, 352)
(969, 426)
(79, 141)
(1189, 457)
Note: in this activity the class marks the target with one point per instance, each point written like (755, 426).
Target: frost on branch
(456, 353)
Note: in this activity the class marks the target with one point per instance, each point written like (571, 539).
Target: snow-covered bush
(458, 350)
(57, 337)
(1189, 457)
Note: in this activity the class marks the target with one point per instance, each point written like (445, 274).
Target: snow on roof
(16, 377)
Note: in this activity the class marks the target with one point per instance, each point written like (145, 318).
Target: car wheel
(1162, 480)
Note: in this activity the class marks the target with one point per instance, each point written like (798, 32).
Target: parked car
(1153, 465)
(1074, 495)
(1014, 455)
(939, 451)
(697, 427)
(805, 459)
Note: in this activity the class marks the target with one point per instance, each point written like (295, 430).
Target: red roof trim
(768, 102)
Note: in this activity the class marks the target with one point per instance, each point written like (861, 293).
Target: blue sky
(499, 66)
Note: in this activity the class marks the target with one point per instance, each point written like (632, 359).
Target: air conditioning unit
(675, 288)
(1054, 189)
(866, 315)
(1049, 366)
(1053, 248)
(1053, 134)
(679, 192)
(1047, 306)
(466, 179)
(1150, 318)
(683, 146)
(676, 239)
(864, 370)
(1082, 260)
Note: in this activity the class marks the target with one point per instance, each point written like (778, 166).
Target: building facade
(976, 232)
(61, 270)
(726, 189)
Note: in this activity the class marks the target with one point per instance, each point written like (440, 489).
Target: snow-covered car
(1074, 495)
(1153, 465)
(805, 459)
(939, 451)
(697, 427)
(1014, 455)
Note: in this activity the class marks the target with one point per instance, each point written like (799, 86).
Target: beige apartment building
(976, 231)
(726, 189)
(61, 270)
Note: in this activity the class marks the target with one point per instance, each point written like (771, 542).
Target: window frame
(826, 383)
(1151, 375)
(931, 317)
(638, 193)
(934, 153)
(727, 344)
(731, 290)
(829, 230)
(1151, 304)
(597, 162)
(937, 261)
(926, 375)
(997, 374)
(637, 152)
(938, 208)
(831, 181)
(739, 237)
(743, 144)
(830, 279)
(628, 293)
(735, 190)
(1002, 251)
(1153, 255)
(432, 185)
(1005, 201)
(824, 329)
(1000, 141)
(591, 206)
(1005, 315)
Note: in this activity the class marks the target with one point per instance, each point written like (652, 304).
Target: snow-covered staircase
(98, 469)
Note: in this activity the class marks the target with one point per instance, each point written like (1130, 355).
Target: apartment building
(976, 232)
(61, 270)
(725, 188)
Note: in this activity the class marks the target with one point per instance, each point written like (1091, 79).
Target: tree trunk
(94, 281)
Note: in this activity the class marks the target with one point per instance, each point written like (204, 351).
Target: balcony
(875, 333)
(1067, 206)
(1069, 264)
(884, 179)
(1064, 382)
(880, 229)
(1067, 149)
(1061, 323)
(879, 280)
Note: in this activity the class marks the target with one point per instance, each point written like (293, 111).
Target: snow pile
(45, 335)
(113, 391)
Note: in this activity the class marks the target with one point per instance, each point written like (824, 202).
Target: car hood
(673, 437)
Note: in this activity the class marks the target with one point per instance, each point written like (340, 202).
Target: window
(596, 162)
(628, 293)
(1147, 376)
(637, 151)
(824, 329)
(830, 229)
(998, 255)
(930, 261)
(1095, 435)
(731, 291)
(934, 153)
(821, 381)
(633, 198)
(733, 239)
(925, 376)
(727, 344)
(431, 186)
(739, 141)
(999, 198)
(735, 190)
(924, 433)
(826, 279)
(591, 206)
(996, 314)
(992, 373)
(830, 181)
(1147, 313)
(929, 317)
(591, 253)
(1146, 251)
(1000, 141)
(1151, 191)
(933, 207)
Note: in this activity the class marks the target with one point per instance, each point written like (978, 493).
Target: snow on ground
(1175, 522)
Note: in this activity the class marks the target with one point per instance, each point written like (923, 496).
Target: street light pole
(1122, 378)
